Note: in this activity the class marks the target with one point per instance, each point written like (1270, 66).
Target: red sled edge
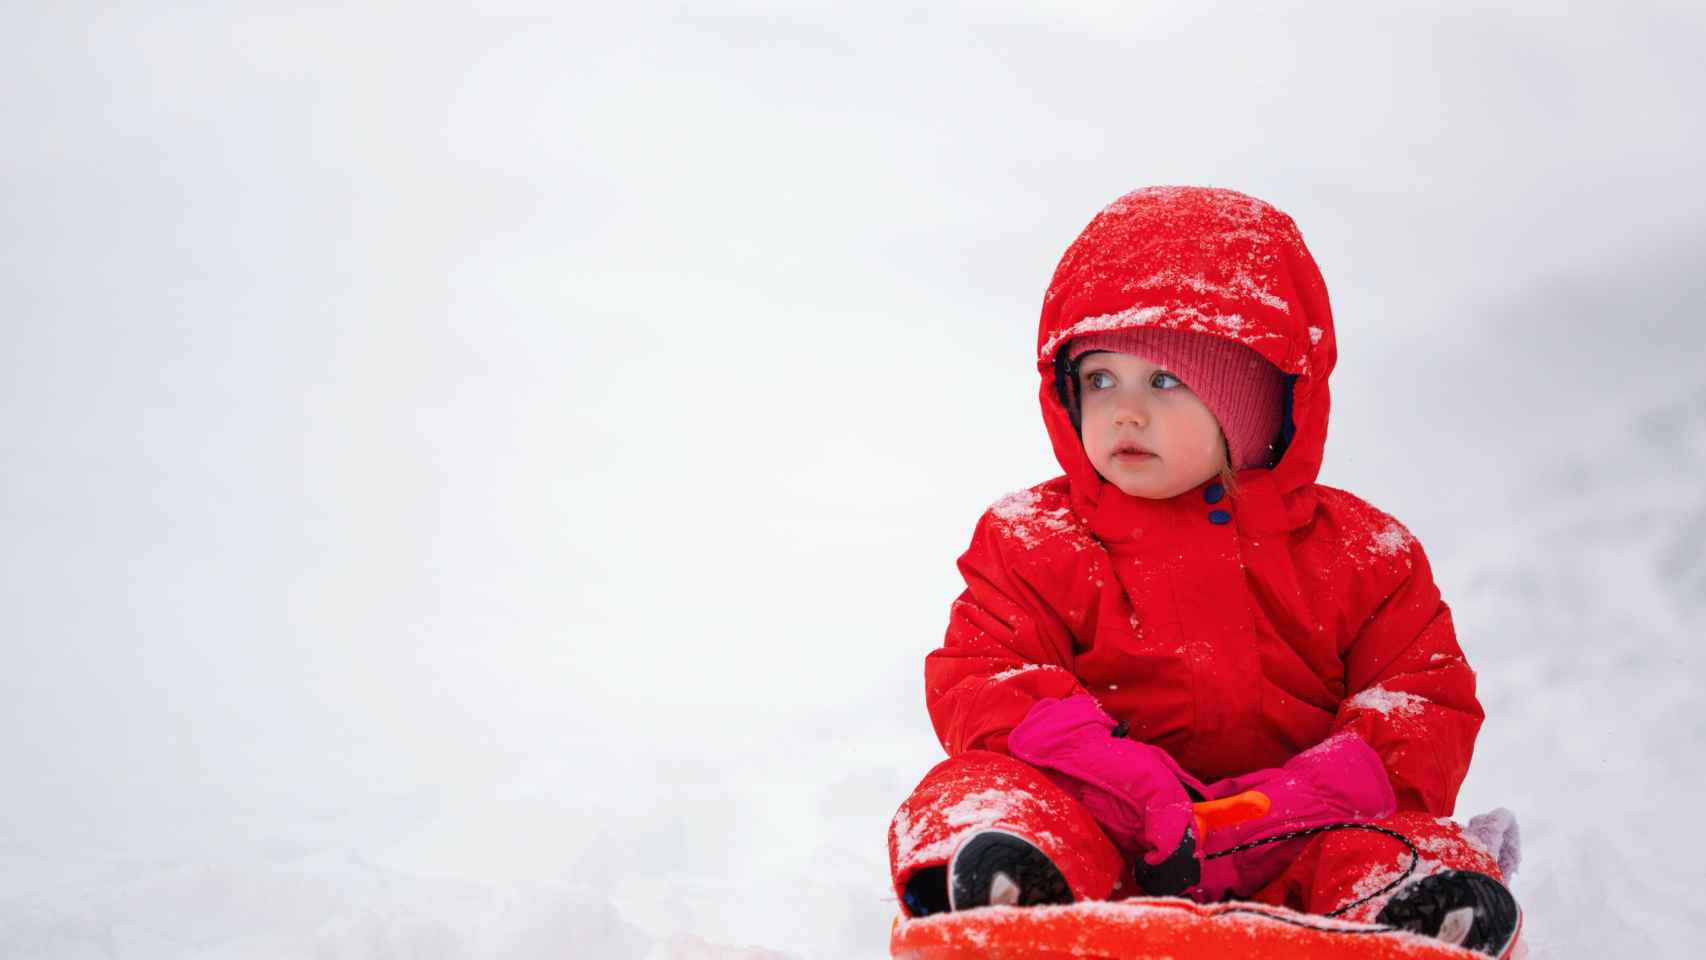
(1152, 928)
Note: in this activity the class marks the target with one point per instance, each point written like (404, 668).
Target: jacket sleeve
(1004, 651)
(1412, 694)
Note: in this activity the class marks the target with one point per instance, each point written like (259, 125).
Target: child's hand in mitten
(1135, 791)
(1340, 780)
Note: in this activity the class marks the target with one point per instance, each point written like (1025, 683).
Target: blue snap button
(1214, 492)
(1220, 516)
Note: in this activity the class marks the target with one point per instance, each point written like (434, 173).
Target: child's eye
(1099, 379)
(1162, 378)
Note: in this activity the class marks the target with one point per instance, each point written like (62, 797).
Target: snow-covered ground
(1583, 604)
(483, 485)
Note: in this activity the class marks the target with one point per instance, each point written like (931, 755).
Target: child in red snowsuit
(1186, 616)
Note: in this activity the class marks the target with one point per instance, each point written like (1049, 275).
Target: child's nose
(1133, 409)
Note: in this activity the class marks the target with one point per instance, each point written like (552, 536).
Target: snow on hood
(1202, 259)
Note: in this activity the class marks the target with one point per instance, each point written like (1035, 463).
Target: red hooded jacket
(1233, 631)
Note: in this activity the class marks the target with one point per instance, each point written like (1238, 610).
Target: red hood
(1211, 261)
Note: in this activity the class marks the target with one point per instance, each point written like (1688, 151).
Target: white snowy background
(481, 481)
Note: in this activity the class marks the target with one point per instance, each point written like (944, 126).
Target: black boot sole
(973, 871)
(1424, 906)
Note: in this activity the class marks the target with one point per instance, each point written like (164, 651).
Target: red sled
(1153, 928)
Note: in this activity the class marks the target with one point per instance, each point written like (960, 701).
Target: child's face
(1126, 405)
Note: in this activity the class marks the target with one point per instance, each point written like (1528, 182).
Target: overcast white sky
(401, 399)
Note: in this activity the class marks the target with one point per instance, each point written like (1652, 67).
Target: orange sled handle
(1213, 815)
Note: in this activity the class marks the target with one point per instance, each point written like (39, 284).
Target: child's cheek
(1091, 438)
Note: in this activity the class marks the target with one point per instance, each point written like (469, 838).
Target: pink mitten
(1339, 780)
(1134, 790)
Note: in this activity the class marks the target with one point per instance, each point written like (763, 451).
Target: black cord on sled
(1415, 859)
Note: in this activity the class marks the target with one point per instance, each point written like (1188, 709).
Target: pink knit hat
(1242, 389)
